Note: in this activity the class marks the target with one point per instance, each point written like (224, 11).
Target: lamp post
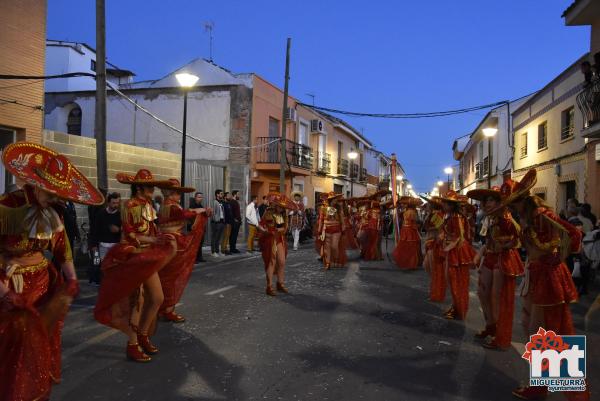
(448, 171)
(186, 81)
(489, 133)
(352, 155)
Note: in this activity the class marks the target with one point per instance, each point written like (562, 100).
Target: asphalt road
(365, 332)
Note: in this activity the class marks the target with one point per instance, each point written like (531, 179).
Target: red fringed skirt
(407, 253)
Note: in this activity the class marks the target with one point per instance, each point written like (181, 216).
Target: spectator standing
(263, 207)
(228, 219)
(252, 219)
(237, 221)
(586, 211)
(107, 229)
(157, 203)
(217, 224)
(197, 203)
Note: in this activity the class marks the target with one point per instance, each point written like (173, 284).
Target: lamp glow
(399, 177)
(440, 183)
(352, 155)
(409, 186)
(186, 80)
(489, 131)
(448, 170)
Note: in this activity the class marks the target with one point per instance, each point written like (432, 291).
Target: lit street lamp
(440, 183)
(448, 171)
(352, 155)
(186, 81)
(489, 133)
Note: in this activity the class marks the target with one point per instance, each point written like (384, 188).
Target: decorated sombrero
(511, 190)
(482, 194)
(379, 194)
(44, 168)
(410, 201)
(143, 177)
(452, 196)
(275, 198)
(296, 193)
(175, 185)
(433, 200)
(327, 196)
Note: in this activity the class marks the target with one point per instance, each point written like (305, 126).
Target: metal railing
(323, 163)
(363, 175)
(355, 169)
(343, 167)
(567, 131)
(297, 155)
(479, 171)
(588, 102)
(486, 166)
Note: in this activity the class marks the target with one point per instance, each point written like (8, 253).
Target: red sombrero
(175, 185)
(512, 191)
(482, 194)
(451, 196)
(410, 201)
(143, 177)
(327, 196)
(275, 198)
(46, 169)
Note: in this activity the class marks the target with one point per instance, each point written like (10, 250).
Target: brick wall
(22, 52)
(121, 158)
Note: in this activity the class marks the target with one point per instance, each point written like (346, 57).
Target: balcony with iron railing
(323, 163)
(479, 171)
(567, 131)
(268, 156)
(486, 166)
(588, 102)
(354, 171)
(384, 181)
(343, 167)
(363, 175)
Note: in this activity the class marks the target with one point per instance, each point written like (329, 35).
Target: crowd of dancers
(145, 274)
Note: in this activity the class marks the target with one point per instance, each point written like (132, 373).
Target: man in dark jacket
(228, 214)
(197, 203)
(237, 221)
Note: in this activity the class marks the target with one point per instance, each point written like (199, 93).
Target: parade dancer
(370, 232)
(35, 292)
(172, 219)
(273, 244)
(457, 253)
(130, 293)
(434, 264)
(331, 226)
(407, 253)
(296, 218)
(348, 235)
(500, 265)
(548, 288)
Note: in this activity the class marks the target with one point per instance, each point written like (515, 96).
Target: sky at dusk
(368, 56)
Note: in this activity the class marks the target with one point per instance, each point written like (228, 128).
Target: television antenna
(208, 27)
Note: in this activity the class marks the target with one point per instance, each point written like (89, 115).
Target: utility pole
(100, 117)
(283, 143)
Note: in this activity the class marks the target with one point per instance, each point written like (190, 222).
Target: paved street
(361, 333)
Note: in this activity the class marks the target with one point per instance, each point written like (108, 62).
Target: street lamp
(489, 133)
(352, 155)
(448, 171)
(440, 183)
(186, 81)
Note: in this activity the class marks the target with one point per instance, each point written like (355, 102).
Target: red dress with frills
(128, 264)
(175, 276)
(407, 253)
(370, 235)
(30, 339)
(276, 226)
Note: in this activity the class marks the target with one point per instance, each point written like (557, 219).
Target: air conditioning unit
(291, 114)
(317, 126)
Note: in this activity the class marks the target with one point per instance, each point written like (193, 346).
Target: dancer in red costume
(131, 294)
(407, 253)
(434, 264)
(35, 293)
(349, 236)
(330, 229)
(273, 227)
(548, 288)
(500, 265)
(172, 219)
(457, 253)
(369, 235)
